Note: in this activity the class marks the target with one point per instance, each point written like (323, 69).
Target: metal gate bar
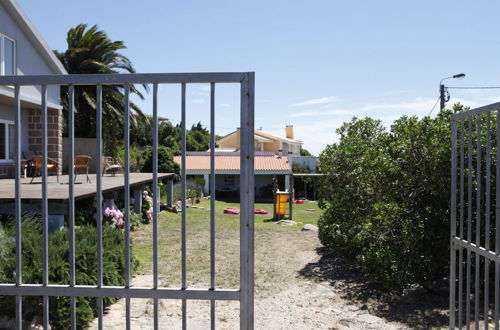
(478, 218)
(73, 290)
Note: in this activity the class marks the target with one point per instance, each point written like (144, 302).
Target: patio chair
(82, 166)
(27, 163)
(110, 166)
(52, 167)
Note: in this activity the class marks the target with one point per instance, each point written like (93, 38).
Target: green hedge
(386, 198)
(86, 268)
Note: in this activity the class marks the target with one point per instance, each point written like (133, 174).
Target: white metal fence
(245, 294)
(475, 219)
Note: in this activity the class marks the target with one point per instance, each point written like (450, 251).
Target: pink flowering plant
(113, 217)
(147, 207)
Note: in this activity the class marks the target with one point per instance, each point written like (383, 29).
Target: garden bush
(166, 162)
(385, 196)
(86, 268)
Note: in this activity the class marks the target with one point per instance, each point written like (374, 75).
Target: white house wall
(28, 59)
(7, 113)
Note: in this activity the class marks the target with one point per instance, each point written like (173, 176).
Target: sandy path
(288, 302)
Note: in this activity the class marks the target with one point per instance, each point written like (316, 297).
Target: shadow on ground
(417, 309)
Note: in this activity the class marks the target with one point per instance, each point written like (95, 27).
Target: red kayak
(298, 201)
(260, 211)
(231, 210)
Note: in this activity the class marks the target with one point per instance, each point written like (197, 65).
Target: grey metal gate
(475, 184)
(245, 294)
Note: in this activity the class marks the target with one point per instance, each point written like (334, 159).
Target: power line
(439, 98)
(467, 87)
(487, 87)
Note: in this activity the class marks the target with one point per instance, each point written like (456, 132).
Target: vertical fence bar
(155, 200)
(126, 137)
(478, 219)
(487, 222)
(71, 215)
(453, 222)
(19, 276)
(183, 195)
(461, 252)
(45, 208)
(212, 202)
(98, 171)
(497, 224)
(247, 201)
(470, 170)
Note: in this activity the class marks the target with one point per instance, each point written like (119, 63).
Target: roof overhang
(277, 137)
(7, 96)
(262, 139)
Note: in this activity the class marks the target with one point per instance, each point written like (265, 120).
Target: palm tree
(90, 51)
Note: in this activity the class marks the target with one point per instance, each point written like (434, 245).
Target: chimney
(238, 137)
(289, 132)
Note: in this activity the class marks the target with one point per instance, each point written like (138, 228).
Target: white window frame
(2, 54)
(7, 142)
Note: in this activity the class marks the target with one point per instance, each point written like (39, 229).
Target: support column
(138, 200)
(206, 187)
(290, 196)
(170, 192)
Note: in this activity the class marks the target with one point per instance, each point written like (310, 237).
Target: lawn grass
(268, 237)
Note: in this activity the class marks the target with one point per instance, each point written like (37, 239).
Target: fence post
(247, 203)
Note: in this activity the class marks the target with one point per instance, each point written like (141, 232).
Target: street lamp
(442, 89)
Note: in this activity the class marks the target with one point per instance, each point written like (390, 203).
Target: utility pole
(441, 97)
(442, 89)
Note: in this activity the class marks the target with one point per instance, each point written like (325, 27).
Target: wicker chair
(82, 166)
(52, 167)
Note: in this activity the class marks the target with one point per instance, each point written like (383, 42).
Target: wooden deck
(60, 191)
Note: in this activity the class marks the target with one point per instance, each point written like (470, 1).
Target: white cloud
(419, 106)
(225, 105)
(316, 133)
(198, 101)
(204, 90)
(329, 112)
(322, 100)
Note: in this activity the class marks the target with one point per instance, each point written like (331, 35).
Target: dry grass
(270, 268)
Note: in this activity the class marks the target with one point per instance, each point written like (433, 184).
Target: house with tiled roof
(267, 166)
(264, 141)
(273, 161)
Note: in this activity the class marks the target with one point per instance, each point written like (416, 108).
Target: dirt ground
(313, 290)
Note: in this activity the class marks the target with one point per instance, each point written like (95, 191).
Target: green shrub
(135, 221)
(385, 197)
(166, 162)
(86, 268)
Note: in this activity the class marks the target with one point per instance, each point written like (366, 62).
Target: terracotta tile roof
(232, 163)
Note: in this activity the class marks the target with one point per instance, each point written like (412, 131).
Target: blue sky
(317, 63)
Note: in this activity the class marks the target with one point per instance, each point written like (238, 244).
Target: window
(7, 56)
(228, 180)
(7, 140)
